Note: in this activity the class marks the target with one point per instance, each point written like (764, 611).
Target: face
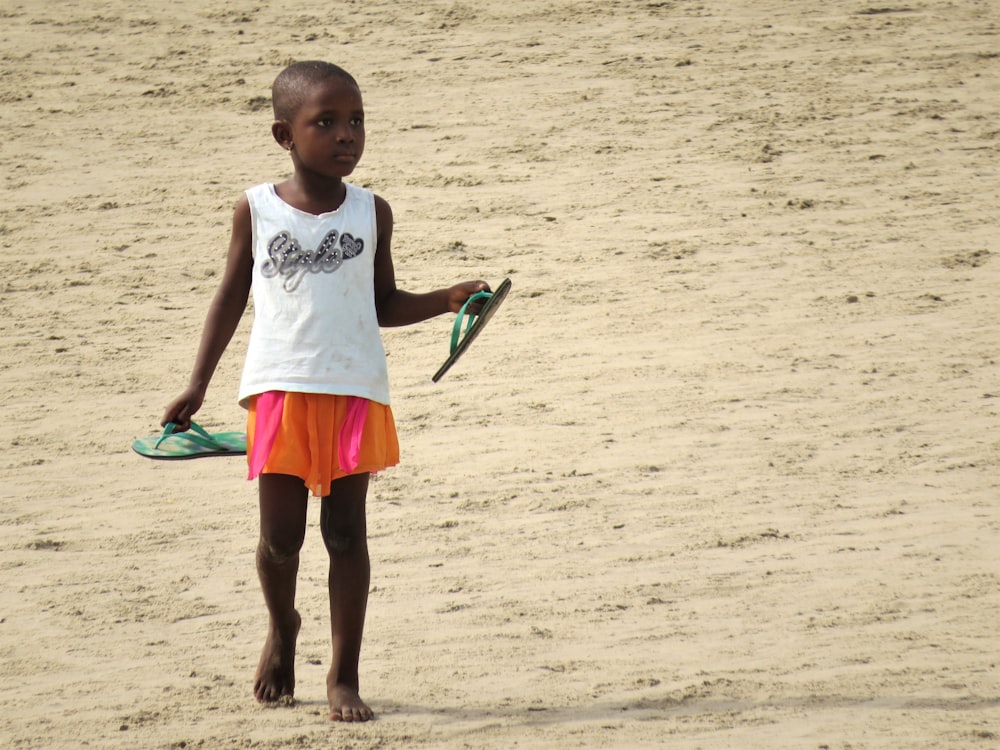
(329, 129)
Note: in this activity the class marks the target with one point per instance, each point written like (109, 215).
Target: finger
(180, 417)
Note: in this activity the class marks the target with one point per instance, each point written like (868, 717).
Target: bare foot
(346, 704)
(275, 678)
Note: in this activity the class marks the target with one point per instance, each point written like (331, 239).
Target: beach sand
(721, 473)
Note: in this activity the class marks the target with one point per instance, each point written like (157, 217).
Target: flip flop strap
(197, 435)
(456, 331)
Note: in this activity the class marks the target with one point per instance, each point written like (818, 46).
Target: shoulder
(382, 210)
(383, 216)
(382, 207)
(242, 207)
(242, 216)
(356, 192)
(258, 191)
(255, 198)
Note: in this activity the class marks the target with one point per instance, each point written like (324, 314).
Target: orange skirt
(308, 441)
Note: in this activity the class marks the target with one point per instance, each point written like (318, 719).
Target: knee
(342, 532)
(342, 538)
(278, 549)
(342, 520)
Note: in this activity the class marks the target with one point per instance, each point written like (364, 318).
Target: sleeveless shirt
(315, 328)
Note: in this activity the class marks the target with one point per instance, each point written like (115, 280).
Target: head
(294, 83)
(319, 117)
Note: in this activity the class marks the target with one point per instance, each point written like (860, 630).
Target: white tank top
(315, 329)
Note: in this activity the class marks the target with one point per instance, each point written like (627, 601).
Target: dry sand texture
(721, 474)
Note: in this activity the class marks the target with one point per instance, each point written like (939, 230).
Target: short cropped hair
(289, 88)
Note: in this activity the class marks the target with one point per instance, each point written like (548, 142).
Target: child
(316, 251)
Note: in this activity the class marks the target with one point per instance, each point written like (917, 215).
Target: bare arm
(223, 317)
(396, 307)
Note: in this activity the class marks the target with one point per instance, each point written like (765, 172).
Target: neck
(313, 194)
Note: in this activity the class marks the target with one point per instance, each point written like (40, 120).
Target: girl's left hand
(459, 294)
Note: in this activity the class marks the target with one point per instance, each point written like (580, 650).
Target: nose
(344, 132)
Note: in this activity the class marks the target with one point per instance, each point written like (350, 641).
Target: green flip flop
(194, 443)
(474, 325)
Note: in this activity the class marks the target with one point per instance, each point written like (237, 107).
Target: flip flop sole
(178, 447)
(490, 307)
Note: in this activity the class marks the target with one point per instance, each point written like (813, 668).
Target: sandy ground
(723, 472)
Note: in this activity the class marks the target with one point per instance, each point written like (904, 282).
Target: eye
(357, 121)
(324, 122)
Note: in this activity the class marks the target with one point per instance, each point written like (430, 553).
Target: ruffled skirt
(318, 437)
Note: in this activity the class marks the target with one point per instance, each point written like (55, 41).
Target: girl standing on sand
(315, 250)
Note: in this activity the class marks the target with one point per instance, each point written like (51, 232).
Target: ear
(282, 133)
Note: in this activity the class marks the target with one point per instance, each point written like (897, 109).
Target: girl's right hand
(182, 408)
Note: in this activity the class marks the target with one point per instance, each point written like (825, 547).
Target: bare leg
(345, 534)
(283, 503)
